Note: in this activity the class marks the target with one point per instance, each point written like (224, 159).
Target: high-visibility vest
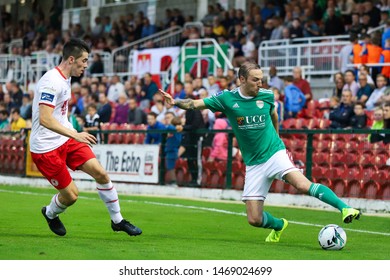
(374, 53)
(386, 59)
(356, 50)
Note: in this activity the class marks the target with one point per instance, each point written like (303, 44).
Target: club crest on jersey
(240, 120)
(260, 104)
(47, 97)
(219, 93)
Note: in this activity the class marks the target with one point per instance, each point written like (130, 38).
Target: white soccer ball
(332, 237)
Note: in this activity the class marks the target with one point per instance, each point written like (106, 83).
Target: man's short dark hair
(152, 114)
(246, 67)
(75, 47)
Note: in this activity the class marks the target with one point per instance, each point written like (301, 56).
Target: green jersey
(250, 118)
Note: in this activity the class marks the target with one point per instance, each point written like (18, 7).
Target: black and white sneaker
(55, 224)
(127, 227)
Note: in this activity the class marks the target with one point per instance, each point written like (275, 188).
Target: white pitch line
(198, 208)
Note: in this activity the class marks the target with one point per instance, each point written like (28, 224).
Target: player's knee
(255, 221)
(102, 177)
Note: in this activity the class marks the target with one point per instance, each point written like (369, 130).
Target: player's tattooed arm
(186, 104)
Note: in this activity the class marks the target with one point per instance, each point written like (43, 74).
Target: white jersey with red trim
(53, 90)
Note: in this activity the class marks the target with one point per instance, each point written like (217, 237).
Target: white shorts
(258, 178)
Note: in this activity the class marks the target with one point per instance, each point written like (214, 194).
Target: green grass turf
(173, 229)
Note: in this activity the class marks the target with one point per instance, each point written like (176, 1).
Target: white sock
(55, 207)
(109, 195)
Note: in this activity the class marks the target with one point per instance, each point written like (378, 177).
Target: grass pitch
(174, 229)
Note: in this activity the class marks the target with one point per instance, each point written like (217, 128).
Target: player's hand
(85, 137)
(168, 98)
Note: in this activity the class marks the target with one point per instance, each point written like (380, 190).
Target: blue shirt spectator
(147, 28)
(294, 99)
(153, 138)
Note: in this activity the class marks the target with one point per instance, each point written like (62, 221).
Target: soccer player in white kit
(254, 120)
(55, 145)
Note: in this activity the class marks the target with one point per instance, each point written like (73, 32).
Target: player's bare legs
(323, 193)
(109, 195)
(259, 218)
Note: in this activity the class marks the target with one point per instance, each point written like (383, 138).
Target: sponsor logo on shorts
(47, 96)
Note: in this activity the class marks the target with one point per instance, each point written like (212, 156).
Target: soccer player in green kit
(251, 112)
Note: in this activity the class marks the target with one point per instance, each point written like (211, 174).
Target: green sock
(270, 221)
(326, 195)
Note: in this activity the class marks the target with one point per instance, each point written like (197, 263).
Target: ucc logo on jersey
(251, 121)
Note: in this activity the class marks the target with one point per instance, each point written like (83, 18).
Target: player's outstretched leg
(326, 195)
(109, 195)
(51, 212)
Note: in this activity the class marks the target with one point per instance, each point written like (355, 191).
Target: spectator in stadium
(16, 94)
(263, 151)
(356, 27)
(121, 110)
(301, 83)
(149, 87)
(339, 85)
(277, 30)
(218, 28)
(341, 116)
(386, 121)
(136, 115)
(153, 124)
(172, 145)
(213, 87)
(377, 124)
(97, 66)
(294, 99)
(386, 34)
(350, 82)
(274, 80)
(374, 12)
(115, 88)
(279, 105)
(147, 28)
(189, 144)
(311, 28)
(371, 53)
(17, 122)
(364, 90)
(376, 95)
(333, 25)
(364, 69)
(179, 90)
(26, 108)
(223, 83)
(385, 58)
(219, 147)
(359, 119)
(105, 109)
(344, 55)
(92, 122)
(4, 122)
(296, 30)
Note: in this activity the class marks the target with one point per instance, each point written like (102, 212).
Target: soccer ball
(332, 237)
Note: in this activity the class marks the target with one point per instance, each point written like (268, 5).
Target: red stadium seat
(339, 187)
(206, 151)
(385, 191)
(279, 186)
(238, 181)
(354, 188)
(371, 190)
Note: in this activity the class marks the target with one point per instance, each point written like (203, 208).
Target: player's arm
(47, 120)
(275, 122)
(185, 104)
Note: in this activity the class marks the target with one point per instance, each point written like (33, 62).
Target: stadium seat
(279, 186)
(317, 172)
(182, 176)
(238, 181)
(354, 188)
(339, 186)
(385, 191)
(206, 151)
(371, 190)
